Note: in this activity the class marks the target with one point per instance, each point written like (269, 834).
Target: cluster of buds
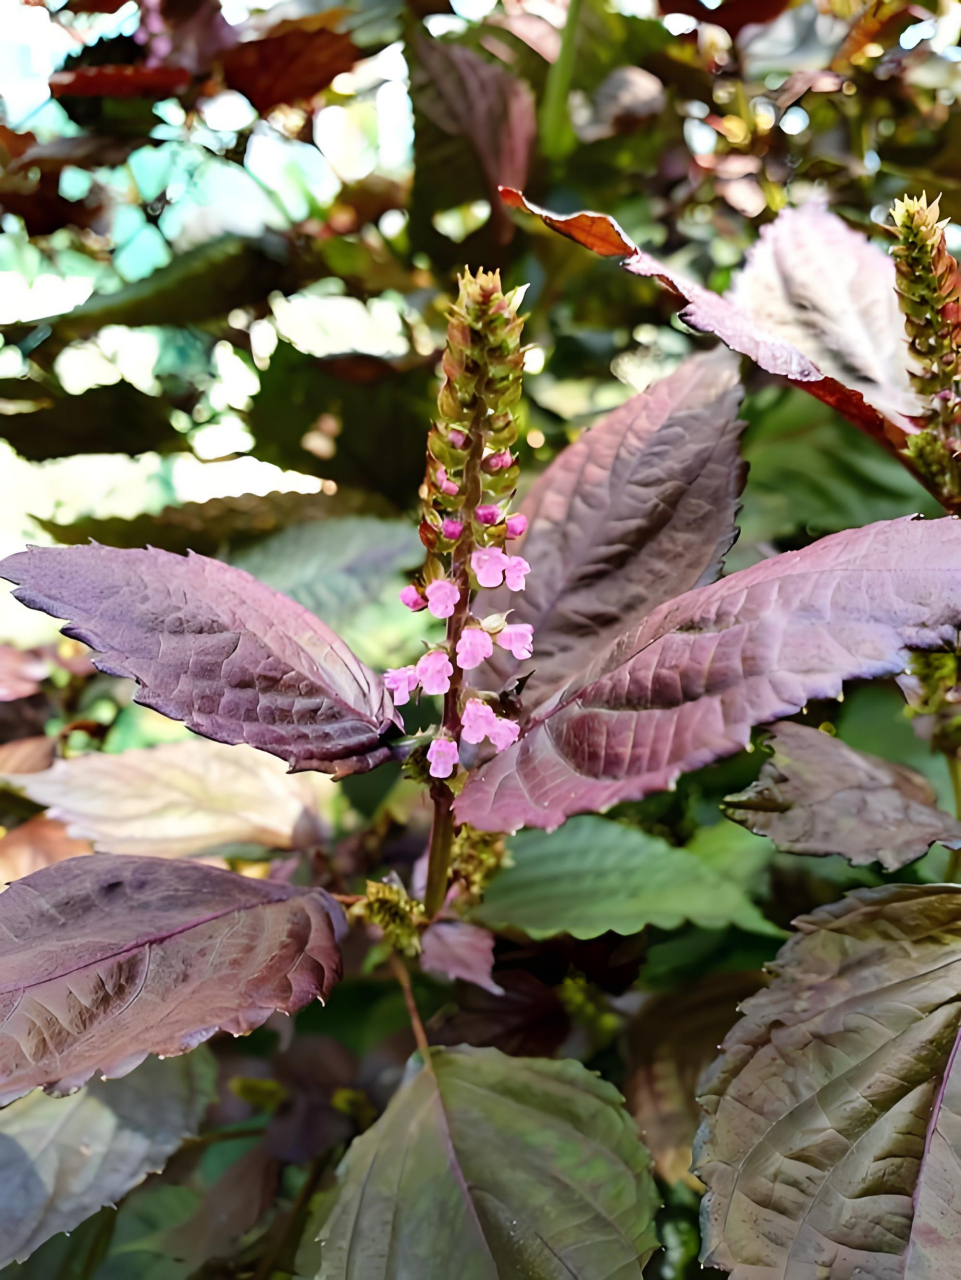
(929, 294)
(475, 857)
(932, 687)
(390, 909)
(466, 523)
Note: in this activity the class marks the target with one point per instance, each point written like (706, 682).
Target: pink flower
(487, 514)
(442, 597)
(452, 529)
(515, 571)
(401, 681)
(434, 671)
(457, 438)
(489, 564)
(477, 720)
(444, 482)
(442, 754)
(503, 733)
(516, 526)
(413, 599)
(498, 461)
(518, 638)
(473, 647)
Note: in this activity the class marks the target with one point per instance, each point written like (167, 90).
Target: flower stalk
(465, 525)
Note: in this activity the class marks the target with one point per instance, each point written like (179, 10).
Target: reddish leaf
(107, 959)
(815, 304)
(212, 646)
(816, 795)
(686, 685)
(668, 1045)
(641, 508)
(732, 15)
(39, 842)
(292, 63)
(27, 755)
(466, 96)
(127, 81)
(20, 673)
(527, 1019)
(456, 949)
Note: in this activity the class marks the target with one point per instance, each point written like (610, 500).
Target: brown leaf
(20, 673)
(125, 81)
(595, 231)
(817, 795)
(465, 96)
(293, 62)
(37, 843)
(668, 1045)
(27, 755)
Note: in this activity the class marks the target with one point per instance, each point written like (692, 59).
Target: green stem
(954, 768)
(555, 126)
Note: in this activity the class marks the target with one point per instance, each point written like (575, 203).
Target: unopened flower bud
(412, 598)
(516, 526)
(487, 514)
(452, 529)
(498, 461)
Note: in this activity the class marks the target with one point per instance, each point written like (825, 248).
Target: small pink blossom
(487, 514)
(518, 638)
(442, 597)
(498, 461)
(503, 733)
(457, 438)
(452, 529)
(473, 647)
(515, 571)
(488, 564)
(442, 754)
(434, 671)
(444, 482)
(413, 599)
(401, 681)
(477, 720)
(516, 526)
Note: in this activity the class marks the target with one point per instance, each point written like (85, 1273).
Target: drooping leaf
(37, 843)
(815, 304)
(818, 795)
(519, 1166)
(686, 685)
(213, 647)
(293, 62)
(179, 799)
(208, 527)
(456, 949)
(831, 1144)
(640, 509)
(593, 875)
(61, 1159)
(117, 418)
(668, 1045)
(107, 959)
(475, 124)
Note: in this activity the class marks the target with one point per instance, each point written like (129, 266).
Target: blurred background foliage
(229, 239)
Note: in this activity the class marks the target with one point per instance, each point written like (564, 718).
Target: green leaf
(348, 572)
(117, 418)
(486, 1167)
(592, 875)
(61, 1159)
(207, 527)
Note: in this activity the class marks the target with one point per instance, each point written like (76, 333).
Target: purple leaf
(831, 1143)
(455, 949)
(640, 509)
(816, 795)
(815, 304)
(686, 685)
(215, 648)
(106, 959)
